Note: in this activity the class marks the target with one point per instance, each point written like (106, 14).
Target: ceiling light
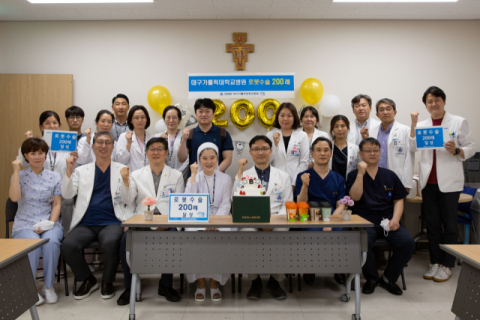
(402, 1)
(87, 1)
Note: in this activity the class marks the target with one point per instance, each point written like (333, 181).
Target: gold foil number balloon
(159, 98)
(262, 112)
(219, 111)
(235, 113)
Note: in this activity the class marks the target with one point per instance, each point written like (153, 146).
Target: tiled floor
(422, 300)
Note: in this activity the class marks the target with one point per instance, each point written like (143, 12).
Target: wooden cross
(240, 50)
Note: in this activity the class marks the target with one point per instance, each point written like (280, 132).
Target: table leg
(133, 290)
(357, 295)
(34, 313)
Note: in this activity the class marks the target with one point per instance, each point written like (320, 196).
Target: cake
(250, 186)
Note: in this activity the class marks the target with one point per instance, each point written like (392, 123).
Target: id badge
(164, 194)
(117, 200)
(296, 151)
(51, 199)
(277, 190)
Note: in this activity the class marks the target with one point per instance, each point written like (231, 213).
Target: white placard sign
(183, 207)
(61, 141)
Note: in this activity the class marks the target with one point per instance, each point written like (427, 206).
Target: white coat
(81, 184)
(174, 162)
(59, 161)
(316, 134)
(449, 168)
(353, 157)
(86, 153)
(352, 133)
(142, 186)
(286, 161)
(137, 157)
(278, 180)
(401, 159)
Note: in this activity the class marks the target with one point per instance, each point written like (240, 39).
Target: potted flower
(347, 201)
(148, 201)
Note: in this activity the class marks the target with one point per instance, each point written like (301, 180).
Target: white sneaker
(40, 300)
(443, 274)
(50, 295)
(432, 272)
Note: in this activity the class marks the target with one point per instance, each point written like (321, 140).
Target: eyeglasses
(260, 149)
(376, 151)
(139, 118)
(73, 118)
(103, 142)
(388, 109)
(156, 149)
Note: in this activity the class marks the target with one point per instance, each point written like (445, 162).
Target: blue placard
(241, 85)
(183, 207)
(61, 141)
(431, 137)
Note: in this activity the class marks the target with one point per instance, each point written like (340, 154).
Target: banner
(431, 137)
(242, 85)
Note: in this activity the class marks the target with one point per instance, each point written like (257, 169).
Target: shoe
(443, 274)
(200, 291)
(88, 286)
(340, 278)
(255, 291)
(40, 300)
(215, 291)
(107, 291)
(124, 298)
(274, 288)
(369, 286)
(390, 286)
(431, 272)
(309, 279)
(50, 295)
(169, 293)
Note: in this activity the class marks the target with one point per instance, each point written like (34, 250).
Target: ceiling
(20, 10)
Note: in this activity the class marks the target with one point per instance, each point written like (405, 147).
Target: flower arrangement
(347, 201)
(149, 201)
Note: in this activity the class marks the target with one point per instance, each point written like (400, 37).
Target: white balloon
(160, 126)
(330, 105)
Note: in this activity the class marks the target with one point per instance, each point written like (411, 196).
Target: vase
(148, 215)
(346, 215)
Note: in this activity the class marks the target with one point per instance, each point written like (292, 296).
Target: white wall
(394, 59)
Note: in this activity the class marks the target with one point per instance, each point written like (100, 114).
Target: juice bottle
(303, 210)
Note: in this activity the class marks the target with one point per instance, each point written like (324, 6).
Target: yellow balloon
(262, 112)
(159, 98)
(311, 90)
(235, 113)
(219, 111)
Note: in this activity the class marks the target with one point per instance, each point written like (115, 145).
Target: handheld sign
(61, 141)
(184, 207)
(431, 137)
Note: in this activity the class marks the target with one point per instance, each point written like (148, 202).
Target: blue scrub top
(330, 189)
(376, 203)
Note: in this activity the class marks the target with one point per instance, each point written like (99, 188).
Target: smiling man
(120, 106)
(361, 106)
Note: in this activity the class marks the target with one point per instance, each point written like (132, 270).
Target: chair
(385, 243)
(10, 212)
(467, 219)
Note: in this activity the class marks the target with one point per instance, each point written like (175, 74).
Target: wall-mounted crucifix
(240, 50)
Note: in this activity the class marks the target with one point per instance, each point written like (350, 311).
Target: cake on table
(250, 186)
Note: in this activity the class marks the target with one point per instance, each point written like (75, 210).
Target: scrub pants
(49, 251)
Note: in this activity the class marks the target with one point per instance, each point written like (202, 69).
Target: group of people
(102, 184)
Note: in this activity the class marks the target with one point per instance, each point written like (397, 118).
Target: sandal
(200, 291)
(213, 292)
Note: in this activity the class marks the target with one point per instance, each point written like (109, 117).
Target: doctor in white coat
(346, 155)
(310, 119)
(291, 150)
(131, 146)
(98, 214)
(395, 152)
(103, 122)
(207, 178)
(362, 106)
(277, 184)
(158, 181)
(441, 180)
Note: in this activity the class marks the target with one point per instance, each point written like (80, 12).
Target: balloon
(262, 112)
(219, 111)
(311, 90)
(330, 105)
(182, 104)
(235, 113)
(159, 98)
(160, 126)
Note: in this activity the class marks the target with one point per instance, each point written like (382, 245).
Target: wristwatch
(457, 151)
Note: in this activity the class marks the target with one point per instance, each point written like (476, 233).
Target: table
(247, 252)
(463, 198)
(466, 304)
(18, 287)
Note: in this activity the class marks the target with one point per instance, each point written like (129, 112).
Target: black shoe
(369, 286)
(107, 291)
(309, 279)
(124, 298)
(391, 287)
(273, 287)
(340, 278)
(255, 291)
(88, 286)
(169, 293)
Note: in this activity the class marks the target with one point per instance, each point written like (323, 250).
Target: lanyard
(52, 165)
(144, 148)
(212, 198)
(170, 150)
